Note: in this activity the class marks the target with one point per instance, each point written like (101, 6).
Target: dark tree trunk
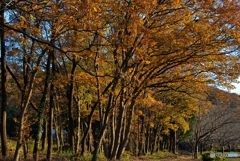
(127, 128)
(26, 96)
(57, 134)
(51, 107)
(142, 137)
(3, 85)
(119, 130)
(58, 127)
(44, 138)
(170, 143)
(70, 107)
(201, 148)
(50, 127)
(195, 150)
(155, 132)
(86, 133)
(25, 148)
(147, 139)
(98, 143)
(161, 145)
(173, 139)
(41, 111)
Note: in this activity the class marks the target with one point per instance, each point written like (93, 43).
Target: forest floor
(68, 156)
(178, 158)
(181, 156)
(168, 157)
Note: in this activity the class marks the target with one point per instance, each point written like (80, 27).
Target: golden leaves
(149, 101)
(177, 3)
(140, 44)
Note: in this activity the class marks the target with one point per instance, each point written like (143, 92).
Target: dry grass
(169, 158)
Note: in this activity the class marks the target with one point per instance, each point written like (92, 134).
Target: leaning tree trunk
(27, 90)
(22, 117)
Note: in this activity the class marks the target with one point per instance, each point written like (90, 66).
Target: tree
(211, 122)
(149, 49)
(3, 84)
(51, 107)
(126, 49)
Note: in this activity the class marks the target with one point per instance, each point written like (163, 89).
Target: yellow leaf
(95, 9)
(32, 17)
(147, 62)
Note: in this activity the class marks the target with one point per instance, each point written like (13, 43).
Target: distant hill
(223, 98)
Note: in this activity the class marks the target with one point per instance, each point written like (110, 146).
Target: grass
(88, 156)
(158, 155)
(67, 155)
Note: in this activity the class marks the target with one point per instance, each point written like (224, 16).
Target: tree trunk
(51, 107)
(127, 128)
(78, 135)
(50, 126)
(20, 139)
(3, 85)
(201, 148)
(26, 92)
(229, 147)
(174, 141)
(44, 139)
(25, 148)
(112, 131)
(195, 152)
(41, 111)
(170, 141)
(154, 140)
(90, 141)
(118, 132)
(22, 117)
(142, 137)
(58, 127)
(56, 134)
(98, 144)
(70, 107)
(147, 139)
(61, 136)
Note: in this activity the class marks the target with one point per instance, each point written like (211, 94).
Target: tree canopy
(98, 68)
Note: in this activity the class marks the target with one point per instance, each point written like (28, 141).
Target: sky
(237, 89)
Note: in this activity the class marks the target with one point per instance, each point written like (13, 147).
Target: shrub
(206, 157)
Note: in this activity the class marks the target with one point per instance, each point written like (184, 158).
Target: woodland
(116, 77)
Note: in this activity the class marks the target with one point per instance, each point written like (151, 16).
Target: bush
(206, 157)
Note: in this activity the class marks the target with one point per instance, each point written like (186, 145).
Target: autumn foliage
(104, 71)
